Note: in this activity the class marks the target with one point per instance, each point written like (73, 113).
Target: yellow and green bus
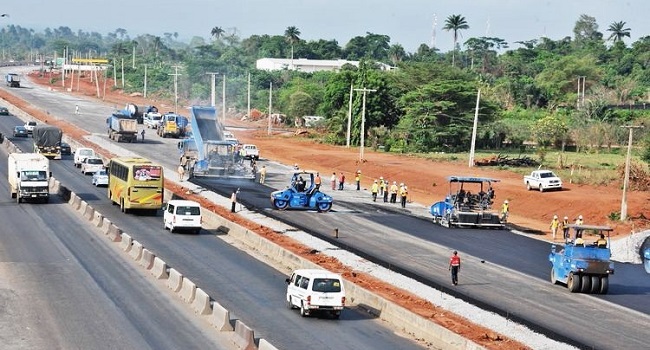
(135, 183)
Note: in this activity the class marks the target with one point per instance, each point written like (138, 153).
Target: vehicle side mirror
(50, 174)
(287, 280)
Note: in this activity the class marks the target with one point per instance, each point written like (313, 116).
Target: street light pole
(212, 88)
(363, 120)
(626, 180)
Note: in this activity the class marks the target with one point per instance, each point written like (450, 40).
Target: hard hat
(381, 178)
(566, 218)
(375, 181)
(394, 182)
(554, 216)
(506, 201)
(358, 171)
(401, 184)
(580, 217)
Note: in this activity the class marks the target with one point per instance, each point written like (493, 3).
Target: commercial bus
(135, 183)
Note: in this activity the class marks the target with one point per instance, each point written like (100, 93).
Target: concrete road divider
(244, 336)
(82, 206)
(74, 200)
(175, 280)
(114, 233)
(201, 302)
(220, 318)
(159, 269)
(89, 212)
(136, 250)
(98, 219)
(126, 242)
(188, 291)
(106, 224)
(146, 260)
(56, 186)
(265, 345)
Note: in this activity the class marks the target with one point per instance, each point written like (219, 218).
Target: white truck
(29, 177)
(249, 151)
(542, 180)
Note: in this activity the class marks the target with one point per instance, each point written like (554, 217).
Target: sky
(409, 23)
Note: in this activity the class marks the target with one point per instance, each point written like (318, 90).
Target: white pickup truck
(542, 180)
(249, 151)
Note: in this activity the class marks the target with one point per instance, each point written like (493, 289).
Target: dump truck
(583, 262)
(47, 140)
(13, 80)
(172, 125)
(29, 177)
(121, 128)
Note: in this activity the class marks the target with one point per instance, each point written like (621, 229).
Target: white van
(316, 290)
(82, 153)
(182, 215)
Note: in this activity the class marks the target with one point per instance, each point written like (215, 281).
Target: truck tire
(528, 187)
(595, 285)
(553, 279)
(541, 188)
(585, 285)
(573, 283)
(604, 284)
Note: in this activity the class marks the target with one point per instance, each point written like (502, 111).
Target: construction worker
(386, 191)
(454, 267)
(263, 174)
(233, 200)
(404, 194)
(357, 179)
(555, 223)
(565, 227)
(181, 172)
(505, 210)
(317, 182)
(374, 189)
(601, 242)
(333, 181)
(381, 186)
(579, 220)
(393, 192)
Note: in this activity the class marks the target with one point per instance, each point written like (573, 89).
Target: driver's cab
(302, 182)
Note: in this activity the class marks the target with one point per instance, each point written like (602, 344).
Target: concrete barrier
(188, 291)
(106, 224)
(82, 207)
(74, 201)
(201, 304)
(98, 219)
(89, 212)
(175, 280)
(56, 186)
(244, 336)
(114, 233)
(220, 318)
(136, 250)
(265, 345)
(126, 242)
(146, 260)
(159, 269)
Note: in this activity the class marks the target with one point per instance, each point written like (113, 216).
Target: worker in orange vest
(454, 267)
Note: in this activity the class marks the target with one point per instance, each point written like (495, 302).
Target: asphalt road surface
(61, 289)
(513, 281)
(251, 290)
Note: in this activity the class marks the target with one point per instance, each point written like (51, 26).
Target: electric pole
(223, 99)
(213, 81)
(175, 74)
(270, 106)
(472, 147)
(347, 134)
(363, 120)
(626, 180)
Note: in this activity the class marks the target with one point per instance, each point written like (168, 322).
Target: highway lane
(522, 255)
(60, 289)
(253, 291)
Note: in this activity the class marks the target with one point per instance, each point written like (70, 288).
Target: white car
(313, 290)
(182, 215)
(82, 153)
(30, 127)
(100, 178)
(92, 165)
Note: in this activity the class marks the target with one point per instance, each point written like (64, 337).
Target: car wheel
(336, 314)
(324, 207)
(303, 311)
(281, 204)
(289, 303)
(541, 189)
(528, 187)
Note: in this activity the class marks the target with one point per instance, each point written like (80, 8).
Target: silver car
(100, 178)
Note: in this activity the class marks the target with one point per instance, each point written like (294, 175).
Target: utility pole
(115, 74)
(363, 120)
(175, 75)
(626, 180)
(249, 96)
(347, 135)
(270, 106)
(213, 94)
(145, 81)
(581, 91)
(223, 100)
(471, 150)
(122, 73)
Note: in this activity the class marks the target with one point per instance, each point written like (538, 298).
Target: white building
(307, 65)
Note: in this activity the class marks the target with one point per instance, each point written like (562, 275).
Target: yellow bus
(135, 183)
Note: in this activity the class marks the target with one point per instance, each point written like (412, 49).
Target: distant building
(307, 65)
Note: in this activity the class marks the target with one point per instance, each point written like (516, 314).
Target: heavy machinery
(29, 177)
(172, 125)
(122, 128)
(461, 207)
(206, 153)
(645, 254)
(302, 193)
(13, 80)
(583, 266)
(47, 140)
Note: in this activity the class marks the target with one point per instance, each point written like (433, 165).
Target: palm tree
(292, 35)
(455, 23)
(217, 32)
(618, 31)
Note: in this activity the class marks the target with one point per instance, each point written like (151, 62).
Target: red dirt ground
(426, 182)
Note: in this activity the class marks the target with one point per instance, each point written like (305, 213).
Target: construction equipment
(122, 128)
(583, 266)
(302, 193)
(47, 140)
(172, 125)
(461, 207)
(207, 153)
(13, 80)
